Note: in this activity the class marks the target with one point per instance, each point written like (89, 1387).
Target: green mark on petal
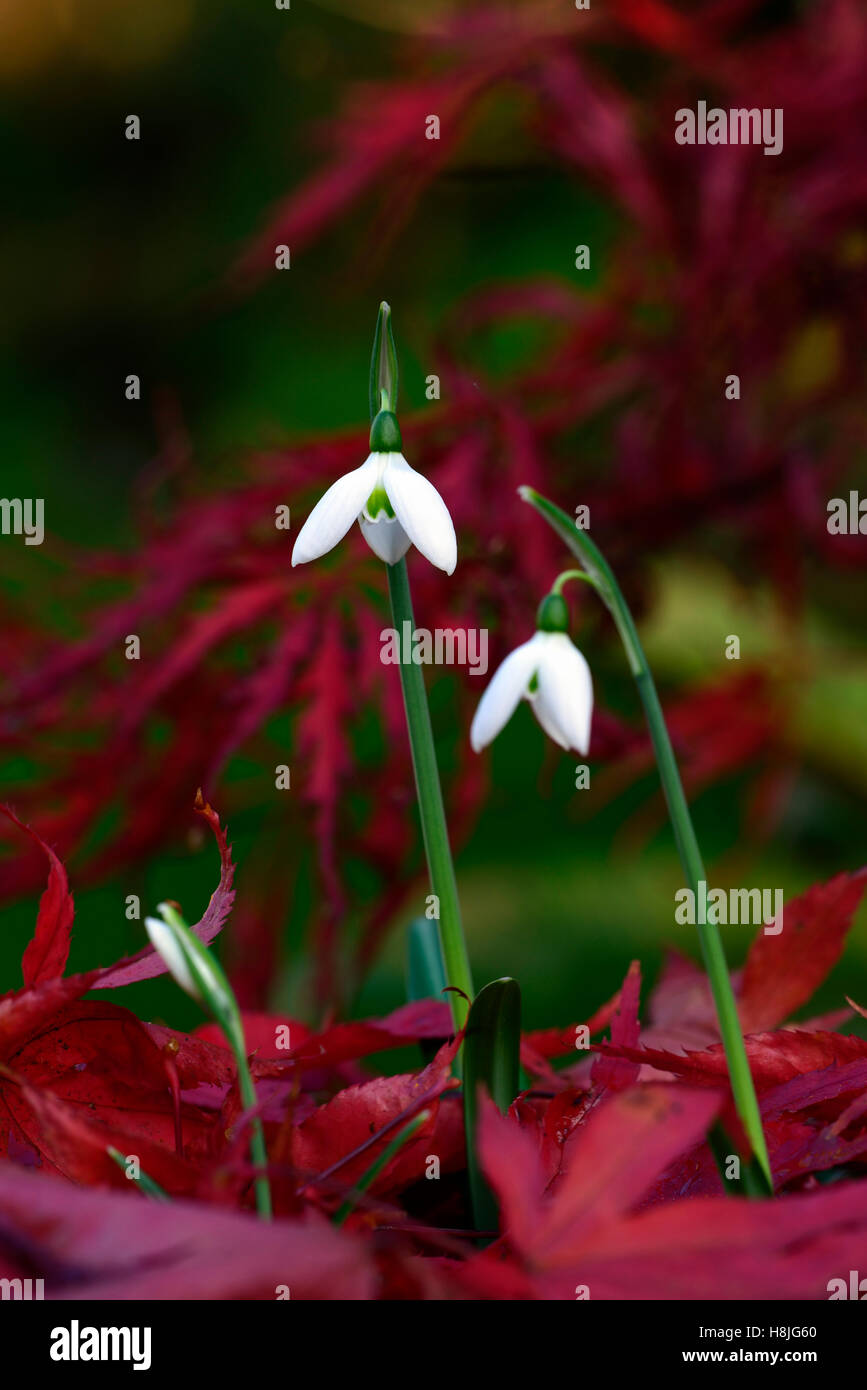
(378, 502)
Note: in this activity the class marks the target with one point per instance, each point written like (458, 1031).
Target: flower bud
(192, 966)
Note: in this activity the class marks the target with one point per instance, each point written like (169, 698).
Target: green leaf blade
(491, 1064)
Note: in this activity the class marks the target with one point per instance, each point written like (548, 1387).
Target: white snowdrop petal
(504, 693)
(566, 690)
(546, 720)
(334, 513)
(166, 945)
(386, 537)
(421, 512)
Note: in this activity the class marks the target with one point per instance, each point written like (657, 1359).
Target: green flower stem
(143, 1182)
(557, 586)
(430, 802)
(258, 1151)
(377, 1166)
(603, 579)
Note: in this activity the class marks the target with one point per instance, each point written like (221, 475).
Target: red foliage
(602, 1170)
(175, 1252)
(48, 952)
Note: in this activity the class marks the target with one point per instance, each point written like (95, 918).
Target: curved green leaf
(491, 1063)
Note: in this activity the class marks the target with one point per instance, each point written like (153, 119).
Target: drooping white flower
(395, 506)
(549, 672)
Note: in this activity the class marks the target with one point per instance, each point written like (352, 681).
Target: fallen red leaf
(181, 1251)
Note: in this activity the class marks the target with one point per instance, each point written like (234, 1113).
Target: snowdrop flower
(191, 964)
(200, 975)
(551, 673)
(395, 506)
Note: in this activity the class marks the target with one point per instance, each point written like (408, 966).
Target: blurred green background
(113, 259)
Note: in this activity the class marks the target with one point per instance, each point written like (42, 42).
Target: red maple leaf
(46, 955)
(587, 1232)
(182, 1251)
